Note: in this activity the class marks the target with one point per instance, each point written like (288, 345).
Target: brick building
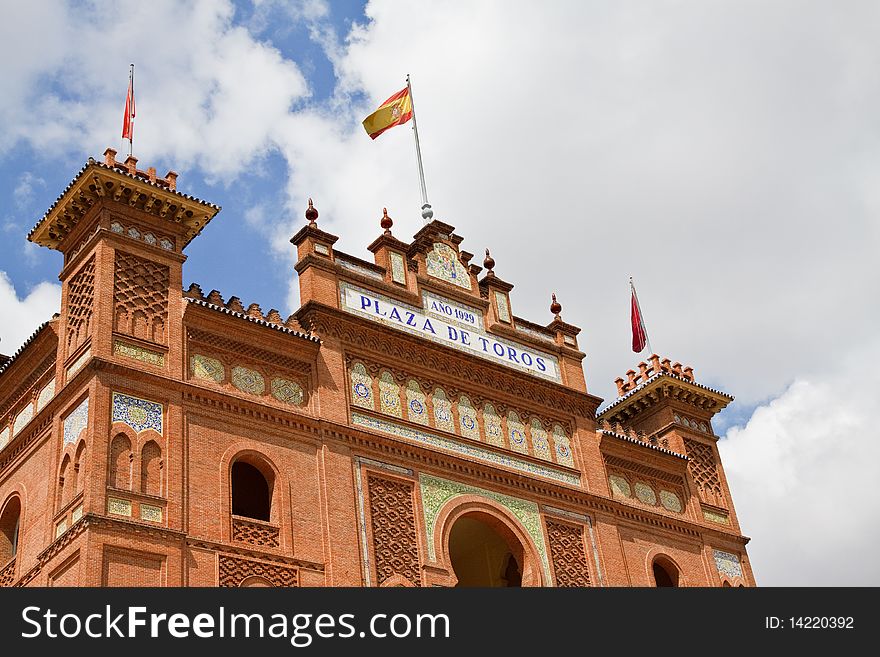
(403, 427)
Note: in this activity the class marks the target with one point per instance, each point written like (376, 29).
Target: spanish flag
(397, 110)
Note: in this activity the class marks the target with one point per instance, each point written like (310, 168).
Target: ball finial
(489, 263)
(555, 307)
(311, 213)
(427, 213)
(386, 221)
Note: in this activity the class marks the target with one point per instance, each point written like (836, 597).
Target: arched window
(120, 462)
(251, 492)
(9, 522)
(66, 481)
(665, 573)
(79, 464)
(151, 457)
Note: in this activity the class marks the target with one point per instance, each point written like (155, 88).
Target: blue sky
(725, 154)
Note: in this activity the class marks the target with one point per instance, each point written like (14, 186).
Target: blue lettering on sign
(365, 302)
(511, 354)
(498, 349)
(395, 315)
(410, 319)
(541, 364)
(485, 344)
(465, 338)
(428, 326)
(528, 362)
(453, 334)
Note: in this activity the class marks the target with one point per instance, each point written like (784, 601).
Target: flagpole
(641, 316)
(427, 212)
(131, 87)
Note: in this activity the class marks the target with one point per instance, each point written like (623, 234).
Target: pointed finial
(489, 263)
(311, 213)
(555, 307)
(386, 222)
(427, 213)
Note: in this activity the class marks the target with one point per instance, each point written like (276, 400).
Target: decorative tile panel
(619, 486)
(516, 433)
(359, 269)
(248, 380)
(416, 403)
(119, 507)
(443, 411)
(503, 308)
(139, 414)
(645, 493)
(361, 387)
(24, 416)
(467, 418)
(76, 422)
(389, 395)
(4, 437)
(78, 363)
(540, 443)
(76, 514)
(323, 249)
(436, 492)
(204, 367)
(139, 353)
(474, 451)
(563, 447)
(46, 395)
(288, 392)
(60, 528)
(443, 263)
(398, 268)
(670, 501)
(151, 513)
(492, 422)
(727, 563)
(715, 516)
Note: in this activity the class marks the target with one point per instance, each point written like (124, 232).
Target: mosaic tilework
(563, 447)
(323, 249)
(119, 507)
(76, 422)
(453, 445)
(645, 493)
(358, 269)
(76, 514)
(139, 414)
(670, 501)
(46, 394)
(727, 563)
(204, 367)
(248, 380)
(288, 392)
(467, 418)
(540, 443)
(389, 395)
(4, 437)
(139, 353)
(619, 486)
(78, 363)
(443, 411)
(535, 334)
(516, 433)
(150, 239)
(715, 516)
(361, 386)
(503, 308)
(24, 416)
(492, 421)
(60, 528)
(166, 244)
(416, 403)
(116, 227)
(398, 268)
(436, 492)
(443, 263)
(151, 513)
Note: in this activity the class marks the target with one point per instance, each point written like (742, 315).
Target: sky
(724, 154)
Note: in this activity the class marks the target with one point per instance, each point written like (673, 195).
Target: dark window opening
(251, 494)
(664, 576)
(9, 530)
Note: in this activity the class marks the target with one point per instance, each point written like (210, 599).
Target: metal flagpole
(641, 316)
(427, 212)
(131, 89)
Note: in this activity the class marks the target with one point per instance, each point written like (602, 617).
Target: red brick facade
(151, 436)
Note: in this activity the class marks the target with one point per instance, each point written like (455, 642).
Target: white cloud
(803, 475)
(23, 193)
(22, 315)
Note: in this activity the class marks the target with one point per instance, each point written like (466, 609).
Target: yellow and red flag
(128, 118)
(397, 110)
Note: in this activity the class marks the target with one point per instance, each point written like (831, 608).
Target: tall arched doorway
(665, 573)
(482, 556)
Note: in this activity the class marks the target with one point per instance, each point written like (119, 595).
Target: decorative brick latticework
(140, 293)
(80, 298)
(254, 533)
(235, 570)
(704, 471)
(394, 530)
(7, 574)
(567, 551)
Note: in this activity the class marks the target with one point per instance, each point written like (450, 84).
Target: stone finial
(427, 213)
(215, 297)
(171, 177)
(110, 157)
(131, 165)
(311, 213)
(386, 221)
(274, 317)
(555, 307)
(255, 311)
(489, 264)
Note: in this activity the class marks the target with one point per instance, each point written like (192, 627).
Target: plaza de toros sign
(451, 324)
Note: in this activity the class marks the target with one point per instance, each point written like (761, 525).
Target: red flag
(128, 119)
(640, 336)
